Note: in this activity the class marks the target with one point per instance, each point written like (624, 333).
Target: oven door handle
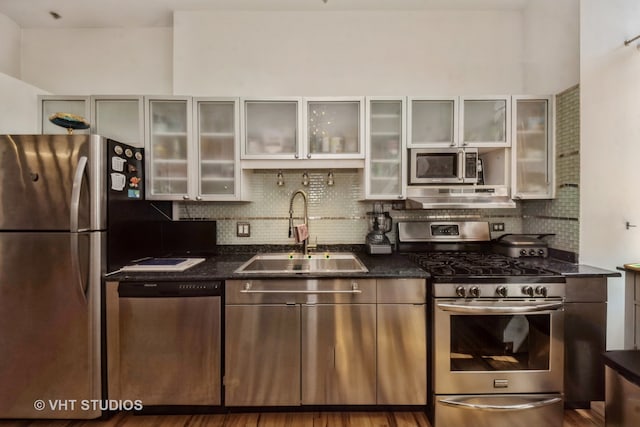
(475, 309)
(500, 408)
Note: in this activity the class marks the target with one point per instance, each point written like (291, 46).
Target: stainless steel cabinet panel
(262, 355)
(622, 408)
(402, 354)
(170, 350)
(339, 354)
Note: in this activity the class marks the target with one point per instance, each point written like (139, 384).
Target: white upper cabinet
(385, 165)
(271, 128)
(432, 122)
(118, 117)
(533, 147)
(168, 148)
(217, 135)
(334, 128)
(51, 104)
(485, 121)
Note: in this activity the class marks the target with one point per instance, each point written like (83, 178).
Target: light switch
(243, 229)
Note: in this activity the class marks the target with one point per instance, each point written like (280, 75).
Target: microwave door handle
(461, 165)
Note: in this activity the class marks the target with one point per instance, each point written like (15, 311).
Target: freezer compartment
(514, 410)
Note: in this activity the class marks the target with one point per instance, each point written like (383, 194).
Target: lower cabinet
(325, 342)
(338, 354)
(262, 363)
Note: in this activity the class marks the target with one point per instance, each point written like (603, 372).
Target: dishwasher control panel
(180, 289)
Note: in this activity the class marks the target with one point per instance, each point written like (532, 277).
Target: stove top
(450, 265)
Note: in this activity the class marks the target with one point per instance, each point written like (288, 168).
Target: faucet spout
(305, 242)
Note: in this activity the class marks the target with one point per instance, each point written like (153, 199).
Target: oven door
(498, 346)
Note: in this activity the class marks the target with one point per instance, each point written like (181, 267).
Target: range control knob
(527, 290)
(523, 252)
(474, 292)
(461, 292)
(541, 252)
(542, 291)
(532, 252)
(502, 291)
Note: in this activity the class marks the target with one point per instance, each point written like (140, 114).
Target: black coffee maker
(379, 224)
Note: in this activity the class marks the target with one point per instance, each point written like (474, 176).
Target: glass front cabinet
(302, 128)
(533, 147)
(168, 148)
(334, 128)
(271, 128)
(217, 127)
(51, 104)
(385, 165)
(485, 121)
(432, 122)
(118, 117)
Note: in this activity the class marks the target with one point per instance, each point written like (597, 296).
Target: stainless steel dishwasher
(164, 342)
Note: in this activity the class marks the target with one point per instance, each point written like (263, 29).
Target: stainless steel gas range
(497, 327)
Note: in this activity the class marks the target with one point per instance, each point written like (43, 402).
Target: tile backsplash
(338, 215)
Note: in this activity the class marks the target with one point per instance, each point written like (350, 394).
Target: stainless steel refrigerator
(54, 197)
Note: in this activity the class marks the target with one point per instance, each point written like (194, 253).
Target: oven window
(500, 342)
(437, 165)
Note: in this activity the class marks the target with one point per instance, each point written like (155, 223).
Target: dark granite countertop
(222, 266)
(569, 269)
(625, 362)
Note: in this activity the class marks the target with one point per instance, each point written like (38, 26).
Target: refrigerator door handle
(76, 271)
(75, 194)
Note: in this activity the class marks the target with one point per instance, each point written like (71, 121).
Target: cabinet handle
(185, 197)
(297, 291)
(309, 156)
(198, 198)
(296, 156)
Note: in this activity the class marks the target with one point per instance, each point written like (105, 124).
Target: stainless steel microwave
(443, 166)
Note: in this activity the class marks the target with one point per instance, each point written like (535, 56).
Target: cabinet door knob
(309, 156)
(198, 198)
(296, 156)
(185, 197)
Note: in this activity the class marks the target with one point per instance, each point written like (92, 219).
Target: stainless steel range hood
(457, 197)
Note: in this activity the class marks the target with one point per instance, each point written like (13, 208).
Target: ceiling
(159, 13)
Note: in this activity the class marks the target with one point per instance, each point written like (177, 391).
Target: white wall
(348, 53)
(610, 148)
(18, 106)
(551, 54)
(99, 61)
(9, 47)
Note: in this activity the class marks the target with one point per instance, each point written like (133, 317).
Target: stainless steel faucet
(305, 242)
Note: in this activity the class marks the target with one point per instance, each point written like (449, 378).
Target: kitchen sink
(324, 263)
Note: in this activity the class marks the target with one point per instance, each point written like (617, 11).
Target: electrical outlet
(497, 226)
(243, 229)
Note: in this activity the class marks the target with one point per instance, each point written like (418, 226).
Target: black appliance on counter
(497, 328)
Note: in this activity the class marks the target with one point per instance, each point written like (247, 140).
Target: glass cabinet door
(532, 148)
(168, 148)
(270, 129)
(217, 135)
(485, 122)
(385, 136)
(334, 128)
(51, 104)
(433, 122)
(119, 118)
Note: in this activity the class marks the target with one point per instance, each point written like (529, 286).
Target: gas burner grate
(474, 264)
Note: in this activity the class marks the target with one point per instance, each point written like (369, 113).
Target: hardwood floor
(573, 418)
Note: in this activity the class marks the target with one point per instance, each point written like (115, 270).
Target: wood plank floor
(573, 418)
